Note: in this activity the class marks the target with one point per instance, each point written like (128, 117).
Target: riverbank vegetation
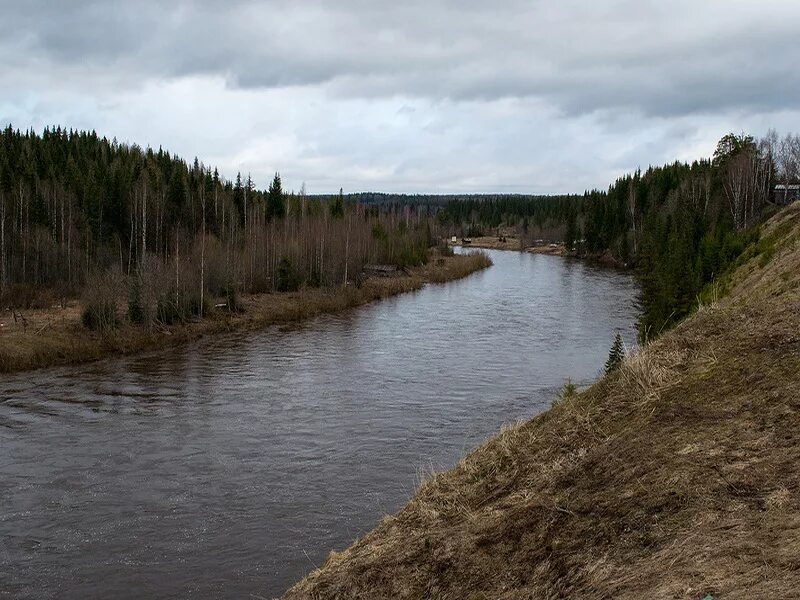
(141, 238)
(56, 336)
(88, 218)
(674, 476)
(680, 226)
(73, 205)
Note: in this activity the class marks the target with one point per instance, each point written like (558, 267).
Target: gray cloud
(395, 94)
(658, 58)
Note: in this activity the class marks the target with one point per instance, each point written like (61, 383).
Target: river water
(231, 467)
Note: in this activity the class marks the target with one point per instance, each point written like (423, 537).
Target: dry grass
(493, 242)
(554, 250)
(675, 477)
(440, 269)
(55, 336)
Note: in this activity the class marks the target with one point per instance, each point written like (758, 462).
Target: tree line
(77, 208)
(680, 226)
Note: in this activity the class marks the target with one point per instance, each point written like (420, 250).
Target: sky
(419, 96)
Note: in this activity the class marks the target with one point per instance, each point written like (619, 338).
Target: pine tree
(616, 355)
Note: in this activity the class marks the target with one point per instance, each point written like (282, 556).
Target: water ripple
(226, 468)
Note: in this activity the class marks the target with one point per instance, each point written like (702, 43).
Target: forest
(84, 215)
(476, 214)
(681, 226)
(434, 201)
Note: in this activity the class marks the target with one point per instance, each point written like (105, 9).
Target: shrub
(136, 308)
(232, 297)
(569, 390)
(445, 249)
(153, 295)
(315, 277)
(474, 230)
(145, 289)
(378, 233)
(405, 252)
(18, 295)
(44, 298)
(25, 296)
(100, 316)
(63, 291)
(100, 301)
(287, 278)
(182, 306)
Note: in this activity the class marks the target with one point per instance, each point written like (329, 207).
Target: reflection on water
(230, 467)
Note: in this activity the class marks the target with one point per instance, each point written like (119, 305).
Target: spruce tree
(616, 355)
(276, 206)
(238, 196)
(337, 206)
(572, 230)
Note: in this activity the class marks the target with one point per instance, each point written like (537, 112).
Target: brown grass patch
(441, 268)
(493, 242)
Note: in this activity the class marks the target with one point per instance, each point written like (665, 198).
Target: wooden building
(786, 194)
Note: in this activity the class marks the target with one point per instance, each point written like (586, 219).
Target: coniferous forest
(80, 213)
(680, 226)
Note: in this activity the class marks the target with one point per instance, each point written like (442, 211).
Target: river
(230, 467)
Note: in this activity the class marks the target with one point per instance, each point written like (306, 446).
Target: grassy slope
(56, 336)
(676, 477)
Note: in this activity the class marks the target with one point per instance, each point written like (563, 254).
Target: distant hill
(437, 200)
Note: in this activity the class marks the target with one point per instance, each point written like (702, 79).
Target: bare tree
(346, 248)
(302, 199)
(202, 249)
(744, 176)
(788, 161)
(3, 274)
(697, 190)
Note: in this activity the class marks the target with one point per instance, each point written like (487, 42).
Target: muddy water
(231, 467)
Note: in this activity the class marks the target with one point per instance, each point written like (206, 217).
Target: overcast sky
(414, 95)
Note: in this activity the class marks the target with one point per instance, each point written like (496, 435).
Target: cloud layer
(527, 96)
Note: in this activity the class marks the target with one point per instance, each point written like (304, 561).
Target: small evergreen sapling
(568, 391)
(616, 355)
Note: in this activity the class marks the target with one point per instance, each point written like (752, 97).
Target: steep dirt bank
(678, 476)
(56, 336)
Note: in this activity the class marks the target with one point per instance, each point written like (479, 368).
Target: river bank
(490, 242)
(675, 476)
(512, 243)
(48, 337)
